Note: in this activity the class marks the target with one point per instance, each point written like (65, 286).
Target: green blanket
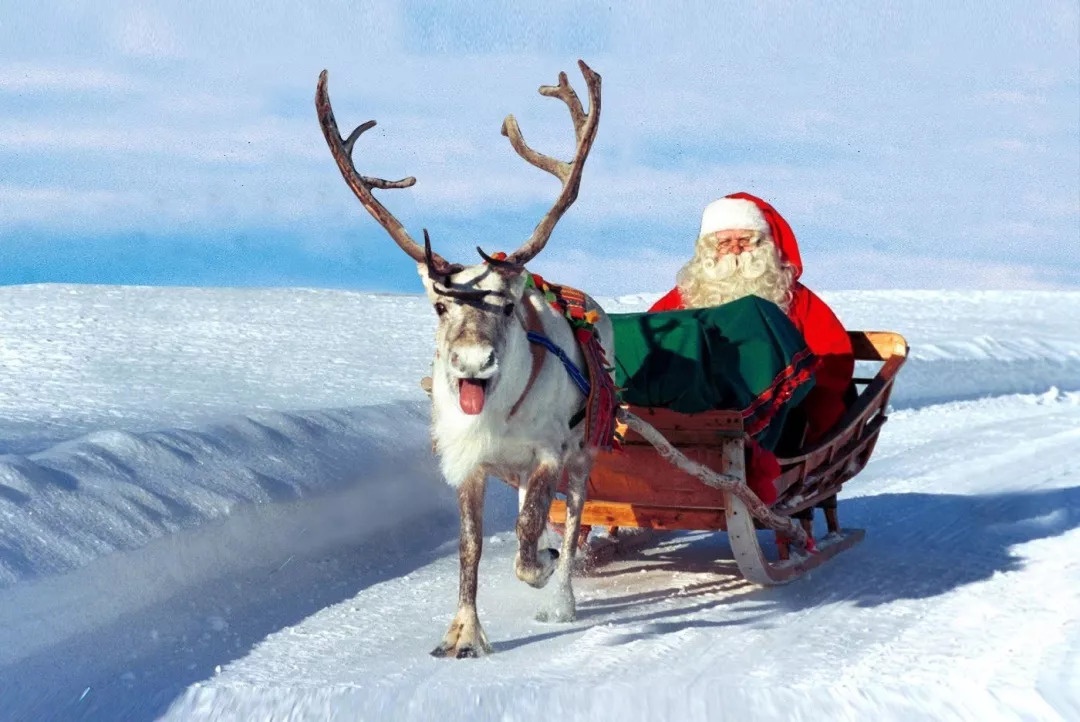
(745, 355)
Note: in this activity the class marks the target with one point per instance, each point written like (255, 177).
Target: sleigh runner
(685, 471)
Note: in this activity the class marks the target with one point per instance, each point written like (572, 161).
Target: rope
(724, 482)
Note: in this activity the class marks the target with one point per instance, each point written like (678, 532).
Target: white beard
(710, 281)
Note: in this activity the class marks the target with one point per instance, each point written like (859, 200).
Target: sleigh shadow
(918, 546)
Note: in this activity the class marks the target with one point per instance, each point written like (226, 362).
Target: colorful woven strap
(570, 302)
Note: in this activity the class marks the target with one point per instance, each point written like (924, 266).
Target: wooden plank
(837, 474)
(870, 402)
(639, 475)
(687, 429)
(602, 513)
(877, 345)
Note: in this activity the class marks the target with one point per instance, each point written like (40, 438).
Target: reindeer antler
(569, 173)
(341, 149)
(442, 286)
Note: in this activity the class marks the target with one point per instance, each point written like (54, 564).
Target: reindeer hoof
(539, 572)
(555, 616)
(464, 640)
(559, 611)
(467, 651)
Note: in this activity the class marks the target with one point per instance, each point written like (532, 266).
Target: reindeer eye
(440, 308)
(508, 309)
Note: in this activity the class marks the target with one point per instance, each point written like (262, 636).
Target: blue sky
(911, 145)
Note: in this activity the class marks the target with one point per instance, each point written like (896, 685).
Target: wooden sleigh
(686, 471)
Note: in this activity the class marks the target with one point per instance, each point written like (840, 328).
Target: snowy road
(961, 584)
(959, 589)
(209, 551)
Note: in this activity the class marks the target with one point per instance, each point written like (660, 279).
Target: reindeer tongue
(471, 395)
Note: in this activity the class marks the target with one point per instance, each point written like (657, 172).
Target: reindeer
(497, 408)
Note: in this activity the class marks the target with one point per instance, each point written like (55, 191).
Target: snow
(221, 503)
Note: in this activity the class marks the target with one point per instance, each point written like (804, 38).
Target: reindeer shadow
(917, 546)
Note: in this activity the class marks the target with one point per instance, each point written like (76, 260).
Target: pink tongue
(471, 396)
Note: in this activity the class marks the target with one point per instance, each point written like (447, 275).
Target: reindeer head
(479, 310)
(480, 306)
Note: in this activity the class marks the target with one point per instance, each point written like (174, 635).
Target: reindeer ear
(425, 278)
(517, 283)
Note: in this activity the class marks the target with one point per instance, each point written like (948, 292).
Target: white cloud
(254, 142)
(44, 204)
(1011, 97)
(870, 270)
(1044, 205)
(1010, 145)
(22, 77)
(635, 271)
(142, 32)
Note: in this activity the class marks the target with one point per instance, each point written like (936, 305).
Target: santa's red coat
(819, 326)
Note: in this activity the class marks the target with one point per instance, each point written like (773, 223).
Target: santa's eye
(440, 308)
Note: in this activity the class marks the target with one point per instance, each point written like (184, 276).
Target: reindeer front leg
(562, 606)
(466, 638)
(532, 566)
(549, 538)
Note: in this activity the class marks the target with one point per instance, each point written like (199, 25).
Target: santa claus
(745, 247)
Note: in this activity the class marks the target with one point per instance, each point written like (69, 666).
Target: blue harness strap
(571, 368)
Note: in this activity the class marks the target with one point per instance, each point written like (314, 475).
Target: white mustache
(752, 265)
(748, 264)
(719, 268)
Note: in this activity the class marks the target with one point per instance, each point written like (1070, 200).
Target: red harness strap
(532, 323)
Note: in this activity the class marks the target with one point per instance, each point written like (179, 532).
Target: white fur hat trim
(729, 214)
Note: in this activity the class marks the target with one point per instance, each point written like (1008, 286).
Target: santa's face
(728, 265)
(734, 241)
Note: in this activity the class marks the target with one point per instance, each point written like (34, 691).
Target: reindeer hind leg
(562, 607)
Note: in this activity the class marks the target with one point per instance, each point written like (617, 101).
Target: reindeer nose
(473, 360)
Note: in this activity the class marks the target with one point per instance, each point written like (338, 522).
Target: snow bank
(132, 413)
(117, 490)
